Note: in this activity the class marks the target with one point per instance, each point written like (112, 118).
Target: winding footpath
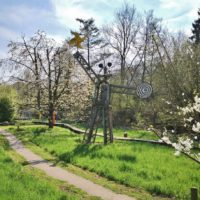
(61, 174)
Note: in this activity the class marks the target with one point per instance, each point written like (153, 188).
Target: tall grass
(147, 166)
(16, 184)
(141, 134)
(22, 183)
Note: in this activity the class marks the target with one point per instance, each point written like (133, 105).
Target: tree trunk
(51, 110)
(88, 50)
(39, 103)
(122, 73)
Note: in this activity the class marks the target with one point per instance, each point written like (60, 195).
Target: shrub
(6, 109)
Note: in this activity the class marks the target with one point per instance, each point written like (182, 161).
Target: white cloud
(177, 7)
(67, 11)
(17, 19)
(193, 12)
(169, 4)
(58, 38)
(178, 15)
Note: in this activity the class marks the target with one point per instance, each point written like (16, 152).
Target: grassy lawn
(147, 166)
(141, 134)
(19, 182)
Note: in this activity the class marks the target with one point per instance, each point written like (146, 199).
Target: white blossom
(177, 153)
(165, 132)
(166, 140)
(177, 146)
(197, 99)
(189, 119)
(187, 110)
(196, 127)
(185, 144)
(167, 102)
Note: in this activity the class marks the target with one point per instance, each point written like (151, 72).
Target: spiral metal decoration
(144, 90)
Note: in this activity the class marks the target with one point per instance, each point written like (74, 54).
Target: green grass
(151, 167)
(140, 134)
(19, 182)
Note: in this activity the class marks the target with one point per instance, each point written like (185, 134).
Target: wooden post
(89, 134)
(105, 109)
(194, 193)
(110, 124)
(93, 116)
(105, 133)
(125, 134)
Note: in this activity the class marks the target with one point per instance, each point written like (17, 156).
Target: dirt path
(61, 174)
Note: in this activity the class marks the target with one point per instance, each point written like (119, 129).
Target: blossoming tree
(187, 141)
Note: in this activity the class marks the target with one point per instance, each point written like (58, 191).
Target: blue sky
(57, 17)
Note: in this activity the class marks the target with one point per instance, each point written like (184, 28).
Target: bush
(6, 110)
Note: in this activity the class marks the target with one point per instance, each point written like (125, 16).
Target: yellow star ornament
(76, 40)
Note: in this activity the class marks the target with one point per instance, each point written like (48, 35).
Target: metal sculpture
(76, 40)
(101, 101)
(101, 107)
(144, 90)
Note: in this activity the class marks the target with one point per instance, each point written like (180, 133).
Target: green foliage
(9, 102)
(140, 134)
(196, 30)
(91, 31)
(17, 183)
(8, 91)
(147, 166)
(6, 109)
(119, 131)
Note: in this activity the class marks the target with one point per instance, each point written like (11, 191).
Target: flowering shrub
(191, 116)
